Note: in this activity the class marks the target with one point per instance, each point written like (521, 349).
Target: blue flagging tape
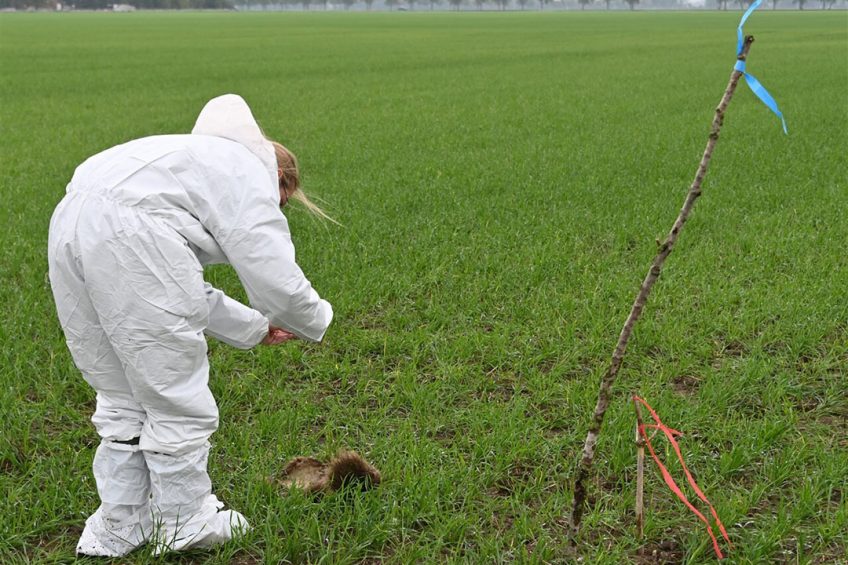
(755, 86)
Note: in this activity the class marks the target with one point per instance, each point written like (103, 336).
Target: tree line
(107, 4)
(386, 4)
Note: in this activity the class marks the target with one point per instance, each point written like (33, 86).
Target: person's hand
(276, 336)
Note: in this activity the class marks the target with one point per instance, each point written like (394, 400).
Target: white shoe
(210, 526)
(101, 539)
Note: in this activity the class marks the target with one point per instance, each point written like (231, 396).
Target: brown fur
(350, 467)
(312, 475)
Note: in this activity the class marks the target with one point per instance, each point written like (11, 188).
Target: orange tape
(670, 434)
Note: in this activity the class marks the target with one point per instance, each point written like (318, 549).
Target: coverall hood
(229, 116)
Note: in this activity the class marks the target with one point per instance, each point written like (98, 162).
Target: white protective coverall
(126, 249)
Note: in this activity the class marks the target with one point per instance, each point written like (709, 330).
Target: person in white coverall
(127, 247)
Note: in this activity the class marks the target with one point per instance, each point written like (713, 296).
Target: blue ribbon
(753, 83)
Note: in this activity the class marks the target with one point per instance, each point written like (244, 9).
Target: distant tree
(583, 3)
(305, 4)
(455, 3)
(774, 4)
(433, 4)
(369, 4)
(542, 4)
(502, 4)
(522, 3)
(827, 4)
(348, 3)
(632, 3)
(391, 4)
(608, 2)
(800, 3)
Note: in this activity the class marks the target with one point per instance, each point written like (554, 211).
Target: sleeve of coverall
(232, 322)
(260, 249)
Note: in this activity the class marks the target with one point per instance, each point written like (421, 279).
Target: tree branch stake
(663, 251)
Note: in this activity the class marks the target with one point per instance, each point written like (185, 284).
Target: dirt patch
(555, 430)
(830, 554)
(667, 552)
(245, 559)
(733, 349)
(7, 466)
(685, 385)
(655, 352)
(835, 421)
(548, 365)
(806, 359)
(807, 404)
(836, 417)
(767, 504)
(444, 434)
(558, 527)
(613, 483)
(839, 425)
(517, 475)
(498, 386)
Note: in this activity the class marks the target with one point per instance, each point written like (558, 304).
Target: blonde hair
(290, 180)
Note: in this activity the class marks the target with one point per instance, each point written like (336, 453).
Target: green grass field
(501, 179)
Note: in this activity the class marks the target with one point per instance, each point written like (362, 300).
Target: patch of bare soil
(518, 474)
(685, 385)
(667, 552)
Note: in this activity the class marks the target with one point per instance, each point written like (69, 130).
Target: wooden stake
(663, 251)
(640, 473)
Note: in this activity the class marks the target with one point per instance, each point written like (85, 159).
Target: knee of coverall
(118, 416)
(171, 381)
